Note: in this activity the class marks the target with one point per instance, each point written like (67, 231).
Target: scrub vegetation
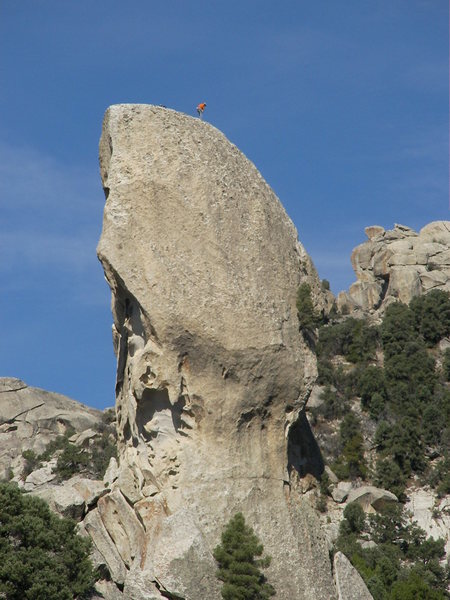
(387, 391)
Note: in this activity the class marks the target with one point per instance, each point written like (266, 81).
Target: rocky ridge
(30, 418)
(396, 265)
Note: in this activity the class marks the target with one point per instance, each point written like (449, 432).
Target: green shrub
(446, 364)
(432, 315)
(397, 328)
(307, 317)
(238, 568)
(372, 390)
(40, 554)
(413, 587)
(92, 461)
(351, 462)
(402, 553)
(354, 518)
(32, 462)
(72, 460)
(388, 475)
(101, 453)
(352, 338)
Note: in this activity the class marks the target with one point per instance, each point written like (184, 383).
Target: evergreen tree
(238, 568)
(40, 554)
(305, 308)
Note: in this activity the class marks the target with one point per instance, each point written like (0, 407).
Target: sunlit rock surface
(397, 265)
(212, 371)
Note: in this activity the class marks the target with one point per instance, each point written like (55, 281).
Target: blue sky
(343, 107)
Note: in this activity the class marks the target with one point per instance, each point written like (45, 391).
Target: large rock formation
(212, 371)
(397, 265)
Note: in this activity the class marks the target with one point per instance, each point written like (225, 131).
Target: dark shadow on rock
(304, 454)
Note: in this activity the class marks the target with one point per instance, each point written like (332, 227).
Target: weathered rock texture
(432, 514)
(398, 265)
(349, 583)
(212, 371)
(30, 418)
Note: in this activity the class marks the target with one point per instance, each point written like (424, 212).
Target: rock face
(431, 514)
(30, 418)
(398, 265)
(212, 371)
(349, 583)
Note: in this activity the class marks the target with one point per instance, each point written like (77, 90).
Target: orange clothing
(201, 107)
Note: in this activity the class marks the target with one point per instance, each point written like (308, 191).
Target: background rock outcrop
(212, 371)
(397, 265)
(30, 418)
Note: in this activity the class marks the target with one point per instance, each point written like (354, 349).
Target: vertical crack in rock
(212, 373)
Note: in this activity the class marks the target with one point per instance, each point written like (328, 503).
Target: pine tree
(40, 554)
(238, 568)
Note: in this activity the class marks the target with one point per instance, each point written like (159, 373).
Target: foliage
(446, 365)
(351, 462)
(333, 406)
(402, 556)
(40, 554)
(93, 460)
(32, 462)
(238, 568)
(352, 338)
(307, 317)
(71, 460)
(388, 475)
(324, 489)
(432, 315)
(408, 399)
(440, 477)
(372, 390)
(354, 520)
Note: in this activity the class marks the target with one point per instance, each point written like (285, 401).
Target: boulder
(107, 590)
(349, 583)
(213, 373)
(340, 492)
(40, 476)
(63, 499)
(111, 473)
(374, 231)
(123, 526)
(106, 554)
(370, 497)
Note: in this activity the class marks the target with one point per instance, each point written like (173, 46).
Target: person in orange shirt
(200, 108)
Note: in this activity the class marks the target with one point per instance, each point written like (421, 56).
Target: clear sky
(343, 107)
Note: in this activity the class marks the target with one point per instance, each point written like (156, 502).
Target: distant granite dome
(397, 265)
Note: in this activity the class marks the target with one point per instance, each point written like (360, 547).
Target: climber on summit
(200, 108)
